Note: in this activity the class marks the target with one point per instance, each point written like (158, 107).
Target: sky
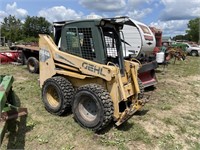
(171, 16)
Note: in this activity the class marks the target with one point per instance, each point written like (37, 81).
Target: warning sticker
(44, 54)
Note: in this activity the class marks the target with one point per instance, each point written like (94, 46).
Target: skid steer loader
(88, 74)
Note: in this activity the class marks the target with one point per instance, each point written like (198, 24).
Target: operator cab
(96, 40)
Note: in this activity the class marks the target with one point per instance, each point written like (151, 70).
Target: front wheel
(92, 107)
(194, 53)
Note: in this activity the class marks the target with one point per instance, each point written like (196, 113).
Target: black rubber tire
(22, 58)
(62, 94)
(103, 104)
(141, 86)
(33, 65)
(194, 53)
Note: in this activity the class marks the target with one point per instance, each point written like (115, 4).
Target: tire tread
(107, 103)
(36, 65)
(66, 89)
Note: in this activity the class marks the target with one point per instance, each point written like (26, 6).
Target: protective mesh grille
(86, 43)
(111, 46)
(72, 41)
(80, 42)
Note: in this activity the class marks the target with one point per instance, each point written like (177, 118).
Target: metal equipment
(88, 73)
(9, 56)
(8, 107)
(29, 56)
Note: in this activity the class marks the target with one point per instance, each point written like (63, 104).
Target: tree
(193, 29)
(11, 28)
(178, 37)
(182, 38)
(35, 25)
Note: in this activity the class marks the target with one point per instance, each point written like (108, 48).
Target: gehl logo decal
(93, 68)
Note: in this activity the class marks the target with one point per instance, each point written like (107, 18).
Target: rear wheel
(57, 94)
(33, 65)
(92, 107)
(22, 58)
(194, 53)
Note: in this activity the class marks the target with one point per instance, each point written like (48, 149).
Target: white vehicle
(138, 37)
(139, 42)
(193, 50)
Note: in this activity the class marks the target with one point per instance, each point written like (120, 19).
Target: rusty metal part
(176, 53)
(13, 114)
(1, 88)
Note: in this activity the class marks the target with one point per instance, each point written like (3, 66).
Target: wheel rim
(52, 96)
(193, 54)
(88, 108)
(31, 65)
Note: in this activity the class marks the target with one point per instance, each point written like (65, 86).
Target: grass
(3, 48)
(170, 120)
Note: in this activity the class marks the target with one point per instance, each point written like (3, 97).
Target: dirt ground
(169, 121)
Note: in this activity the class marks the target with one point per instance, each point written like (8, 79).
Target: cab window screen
(86, 43)
(79, 41)
(72, 41)
(110, 44)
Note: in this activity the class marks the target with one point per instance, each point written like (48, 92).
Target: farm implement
(8, 104)
(9, 56)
